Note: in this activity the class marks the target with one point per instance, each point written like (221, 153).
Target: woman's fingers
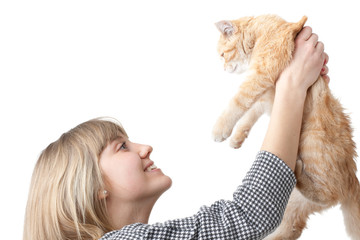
(305, 33)
(325, 69)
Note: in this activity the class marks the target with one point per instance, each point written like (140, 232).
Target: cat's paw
(221, 131)
(238, 139)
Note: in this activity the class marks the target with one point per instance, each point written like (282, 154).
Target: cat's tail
(351, 211)
(296, 27)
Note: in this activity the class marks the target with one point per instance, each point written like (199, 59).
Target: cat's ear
(226, 28)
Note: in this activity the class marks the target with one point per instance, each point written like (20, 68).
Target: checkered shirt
(256, 210)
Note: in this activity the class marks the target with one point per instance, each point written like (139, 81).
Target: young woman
(93, 182)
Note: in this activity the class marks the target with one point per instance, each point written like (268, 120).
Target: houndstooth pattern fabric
(256, 210)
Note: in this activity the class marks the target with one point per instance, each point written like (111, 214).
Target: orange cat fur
(326, 173)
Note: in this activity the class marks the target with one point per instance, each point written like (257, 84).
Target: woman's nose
(145, 151)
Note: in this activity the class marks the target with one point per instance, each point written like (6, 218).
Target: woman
(95, 183)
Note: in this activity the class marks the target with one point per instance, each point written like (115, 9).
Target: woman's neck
(124, 213)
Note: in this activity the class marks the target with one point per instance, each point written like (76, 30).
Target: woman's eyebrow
(117, 140)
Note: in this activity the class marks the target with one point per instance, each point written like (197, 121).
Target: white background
(153, 65)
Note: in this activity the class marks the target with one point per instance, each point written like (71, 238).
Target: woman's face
(129, 173)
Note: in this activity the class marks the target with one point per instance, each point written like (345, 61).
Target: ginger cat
(326, 173)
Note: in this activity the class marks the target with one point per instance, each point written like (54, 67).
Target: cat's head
(240, 38)
(235, 44)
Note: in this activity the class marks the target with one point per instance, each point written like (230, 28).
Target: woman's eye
(123, 146)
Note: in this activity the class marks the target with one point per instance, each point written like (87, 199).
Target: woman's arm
(259, 203)
(282, 137)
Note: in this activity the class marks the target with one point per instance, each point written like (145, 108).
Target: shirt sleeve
(255, 211)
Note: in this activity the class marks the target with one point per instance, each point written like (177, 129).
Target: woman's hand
(309, 60)
(325, 70)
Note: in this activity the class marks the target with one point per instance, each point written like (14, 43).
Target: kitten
(326, 174)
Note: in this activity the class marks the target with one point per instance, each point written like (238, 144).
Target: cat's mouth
(231, 68)
(236, 68)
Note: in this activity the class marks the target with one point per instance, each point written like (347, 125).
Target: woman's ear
(103, 194)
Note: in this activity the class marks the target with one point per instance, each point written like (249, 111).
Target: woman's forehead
(118, 138)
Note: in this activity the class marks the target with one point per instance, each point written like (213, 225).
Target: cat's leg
(295, 217)
(250, 91)
(351, 211)
(318, 180)
(245, 124)
(264, 104)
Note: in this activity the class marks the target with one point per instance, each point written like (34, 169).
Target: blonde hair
(64, 200)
